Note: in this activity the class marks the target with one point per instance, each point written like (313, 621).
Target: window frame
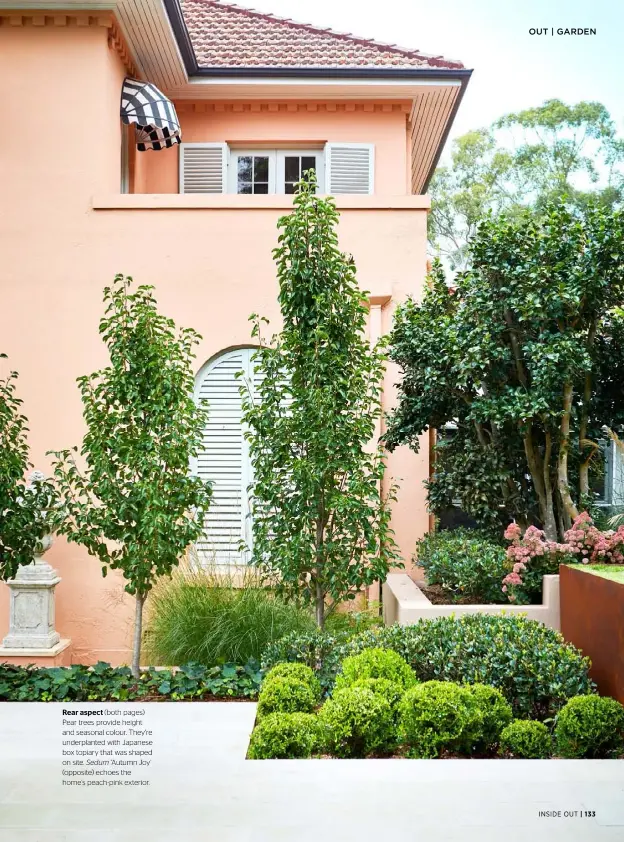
(277, 166)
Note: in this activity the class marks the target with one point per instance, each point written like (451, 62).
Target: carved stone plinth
(31, 619)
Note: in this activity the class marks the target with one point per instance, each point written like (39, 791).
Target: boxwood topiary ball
(283, 735)
(495, 709)
(439, 715)
(359, 722)
(590, 726)
(526, 739)
(286, 695)
(376, 663)
(299, 672)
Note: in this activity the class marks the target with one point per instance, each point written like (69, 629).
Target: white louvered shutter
(349, 168)
(203, 167)
(224, 459)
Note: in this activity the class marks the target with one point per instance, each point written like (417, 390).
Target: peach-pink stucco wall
(59, 88)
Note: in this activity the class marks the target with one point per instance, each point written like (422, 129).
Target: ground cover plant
(532, 665)
(102, 682)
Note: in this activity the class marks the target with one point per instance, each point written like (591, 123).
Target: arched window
(224, 457)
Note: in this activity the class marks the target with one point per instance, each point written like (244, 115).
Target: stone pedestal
(31, 623)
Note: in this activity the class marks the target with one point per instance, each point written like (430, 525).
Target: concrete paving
(202, 788)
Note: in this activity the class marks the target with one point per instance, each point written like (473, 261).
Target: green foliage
(319, 650)
(465, 563)
(590, 726)
(105, 683)
(520, 356)
(295, 672)
(525, 159)
(526, 739)
(287, 695)
(135, 506)
(25, 507)
(375, 663)
(533, 666)
(208, 615)
(388, 690)
(286, 735)
(359, 722)
(320, 523)
(495, 710)
(438, 716)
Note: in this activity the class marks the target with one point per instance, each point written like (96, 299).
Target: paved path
(201, 788)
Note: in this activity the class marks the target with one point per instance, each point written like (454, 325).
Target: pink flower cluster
(527, 548)
(594, 546)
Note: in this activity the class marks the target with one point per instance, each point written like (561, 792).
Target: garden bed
(592, 618)
(404, 602)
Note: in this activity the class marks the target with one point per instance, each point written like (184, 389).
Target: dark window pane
(244, 167)
(290, 187)
(244, 187)
(291, 168)
(261, 188)
(261, 168)
(308, 162)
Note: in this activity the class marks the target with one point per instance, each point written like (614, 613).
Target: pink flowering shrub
(531, 556)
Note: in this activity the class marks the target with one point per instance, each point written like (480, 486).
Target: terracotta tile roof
(226, 35)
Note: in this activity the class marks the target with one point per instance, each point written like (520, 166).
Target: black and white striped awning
(157, 125)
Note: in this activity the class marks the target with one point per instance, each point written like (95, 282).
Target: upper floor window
(271, 170)
(219, 168)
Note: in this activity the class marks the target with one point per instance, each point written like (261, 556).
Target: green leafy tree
(525, 159)
(135, 505)
(524, 354)
(25, 507)
(321, 522)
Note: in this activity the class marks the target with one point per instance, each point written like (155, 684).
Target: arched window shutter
(224, 459)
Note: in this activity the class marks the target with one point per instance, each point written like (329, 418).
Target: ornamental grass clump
(526, 739)
(590, 727)
(495, 710)
(376, 663)
(439, 716)
(286, 735)
(359, 723)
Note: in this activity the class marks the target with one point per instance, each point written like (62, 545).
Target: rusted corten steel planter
(592, 618)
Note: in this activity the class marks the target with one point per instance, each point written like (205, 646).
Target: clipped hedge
(102, 682)
(495, 710)
(296, 672)
(532, 665)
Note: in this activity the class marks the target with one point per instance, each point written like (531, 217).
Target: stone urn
(31, 619)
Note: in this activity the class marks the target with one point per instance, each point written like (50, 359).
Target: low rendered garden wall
(405, 603)
(592, 618)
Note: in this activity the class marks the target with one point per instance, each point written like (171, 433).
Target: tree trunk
(570, 512)
(320, 606)
(550, 524)
(539, 470)
(138, 630)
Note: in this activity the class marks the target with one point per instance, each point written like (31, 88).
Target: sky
(512, 69)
